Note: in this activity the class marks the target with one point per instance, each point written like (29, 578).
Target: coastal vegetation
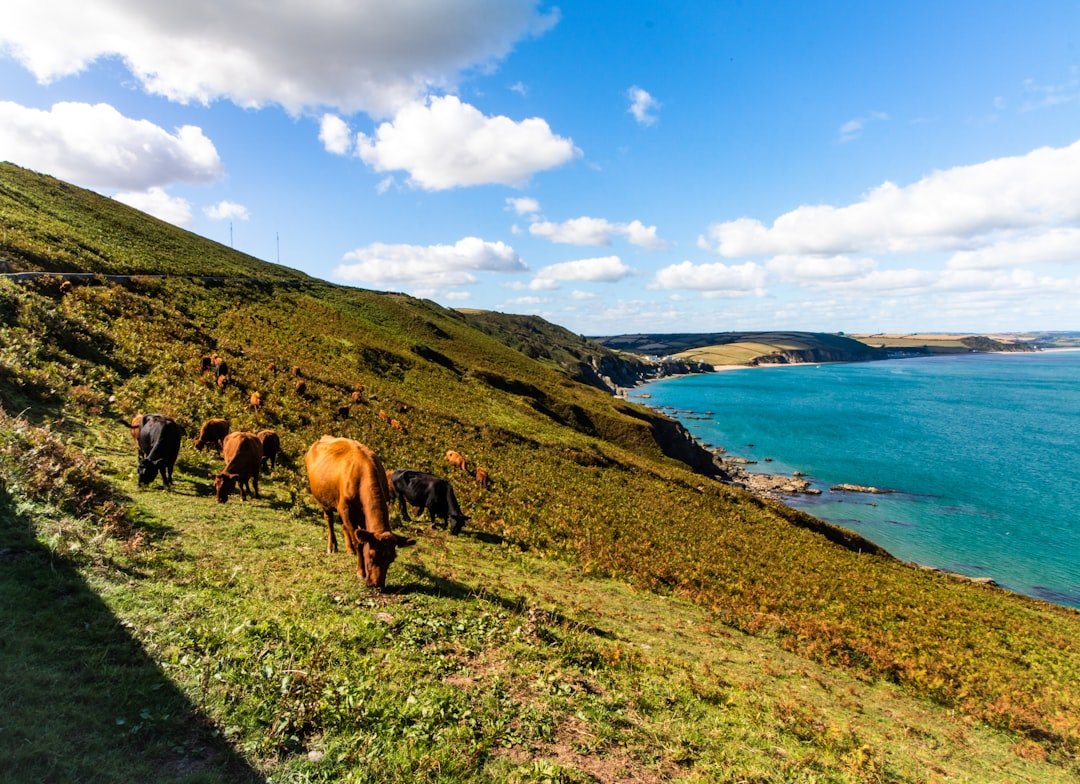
(607, 615)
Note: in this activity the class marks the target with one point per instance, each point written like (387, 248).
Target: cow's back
(242, 452)
(337, 469)
(159, 438)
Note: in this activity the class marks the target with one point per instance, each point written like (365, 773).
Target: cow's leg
(431, 514)
(331, 540)
(404, 509)
(255, 482)
(351, 516)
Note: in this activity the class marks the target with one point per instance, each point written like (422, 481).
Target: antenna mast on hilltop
(277, 240)
(230, 234)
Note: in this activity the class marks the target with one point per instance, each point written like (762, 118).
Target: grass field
(606, 606)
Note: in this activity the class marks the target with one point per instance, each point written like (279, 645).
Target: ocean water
(982, 449)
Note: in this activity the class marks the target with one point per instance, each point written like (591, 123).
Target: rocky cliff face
(612, 372)
(793, 356)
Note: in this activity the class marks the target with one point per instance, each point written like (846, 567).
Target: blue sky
(612, 166)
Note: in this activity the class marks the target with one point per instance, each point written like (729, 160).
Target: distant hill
(610, 613)
(747, 348)
(909, 344)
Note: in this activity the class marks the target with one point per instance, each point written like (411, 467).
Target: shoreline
(780, 487)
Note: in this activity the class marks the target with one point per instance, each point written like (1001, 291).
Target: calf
(482, 477)
(159, 444)
(455, 458)
(426, 491)
(243, 454)
(255, 400)
(271, 448)
(301, 388)
(212, 433)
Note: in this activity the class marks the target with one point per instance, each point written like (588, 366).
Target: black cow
(159, 444)
(426, 491)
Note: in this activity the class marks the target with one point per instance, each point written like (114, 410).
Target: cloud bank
(427, 266)
(95, 146)
(363, 55)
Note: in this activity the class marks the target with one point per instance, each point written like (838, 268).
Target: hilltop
(780, 348)
(609, 614)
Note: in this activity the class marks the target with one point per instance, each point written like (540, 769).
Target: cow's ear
(366, 535)
(403, 541)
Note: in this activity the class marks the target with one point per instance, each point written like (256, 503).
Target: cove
(982, 449)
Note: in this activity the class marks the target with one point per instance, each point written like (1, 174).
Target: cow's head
(380, 550)
(223, 485)
(147, 471)
(457, 522)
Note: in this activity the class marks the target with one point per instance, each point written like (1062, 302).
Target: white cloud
(97, 147)
(457, 296)
(385, 184)
(1044, 95)
(444, 143)
(1056, 246)
(606, 269)
(519, 88)
(335, 135)
(596, 231)
(155, 201)
(947, 210)
(364, 55)
(524, 301)
(579, 294)
(810, 270)
(853, 129)
(426, 266)
(226, 210)
(642, 105)
(714, 280)
(523, 205)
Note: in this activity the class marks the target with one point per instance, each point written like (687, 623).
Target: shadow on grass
(82, 700)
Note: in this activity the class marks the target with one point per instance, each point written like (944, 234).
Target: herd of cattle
(344, 476)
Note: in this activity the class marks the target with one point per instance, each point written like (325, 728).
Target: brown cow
(212, 433)
(222, 381)
(396, 425)
(243, 454)
(345, 475)
(384, 416)
(482, 477)
(255, 400)
(136, 428)
(296, 370)
(272, 367)
(455, 458)
(271, 448)
(357, 396)
(301, 387)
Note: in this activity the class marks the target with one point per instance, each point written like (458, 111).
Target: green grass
(510, 653)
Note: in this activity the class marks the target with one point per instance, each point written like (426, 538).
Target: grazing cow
(212, 433)
(346, 476)
(343, 412)
(384, 416)
(357, 396)
(255, 400)
(272, 367)
(271, 448)
(222, 382)
(426, 491)
(455, 458)
(296, 370)
(482, 477)
(301, 388)
(394, 424)
(243, 454)
(221, 367)
(159, 444)
(205, 365)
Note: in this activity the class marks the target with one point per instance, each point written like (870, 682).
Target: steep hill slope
(469, 669)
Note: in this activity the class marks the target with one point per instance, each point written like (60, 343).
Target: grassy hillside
(605, 602)
(744, 348)
(936, 343)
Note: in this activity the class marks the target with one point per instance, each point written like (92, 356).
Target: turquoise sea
(983, 449)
